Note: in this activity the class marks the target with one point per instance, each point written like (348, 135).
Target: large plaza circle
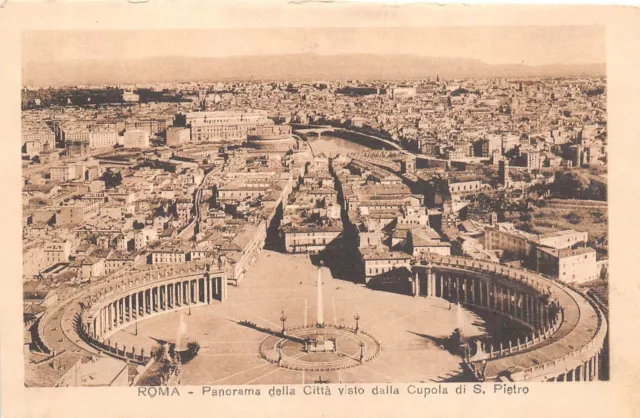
(409, 330)
(298, 349)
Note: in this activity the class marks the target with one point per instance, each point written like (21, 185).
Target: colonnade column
(487, 296)
(144, 302)
(531, 303)
(473, 291)
(431, 278)
(495, 301)
(538, 313)
(176, 294)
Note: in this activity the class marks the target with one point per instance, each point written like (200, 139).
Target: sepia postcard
(319, 209)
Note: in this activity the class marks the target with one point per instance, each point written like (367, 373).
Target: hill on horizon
(284, 67)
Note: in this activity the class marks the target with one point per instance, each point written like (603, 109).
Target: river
(332, 146)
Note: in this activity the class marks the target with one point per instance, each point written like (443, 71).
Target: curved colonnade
(567, 328)
(130, 296)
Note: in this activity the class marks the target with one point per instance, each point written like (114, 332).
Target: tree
(604, 272)
(573, 218)
(525, 217)
(571, 184)
(112, 179)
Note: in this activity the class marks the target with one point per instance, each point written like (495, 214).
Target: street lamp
(357, 318)
(283, 318)
(361, 344)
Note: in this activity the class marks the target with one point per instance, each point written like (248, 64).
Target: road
(198, 202)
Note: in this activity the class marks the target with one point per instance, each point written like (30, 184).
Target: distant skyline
(535, 45)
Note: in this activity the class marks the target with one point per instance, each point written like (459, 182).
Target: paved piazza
(405, 327)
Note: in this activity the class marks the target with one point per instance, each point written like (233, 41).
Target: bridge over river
(309, 131)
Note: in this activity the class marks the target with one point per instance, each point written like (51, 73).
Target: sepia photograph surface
(315, 206)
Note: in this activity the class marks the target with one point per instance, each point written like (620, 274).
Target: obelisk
(320, 340)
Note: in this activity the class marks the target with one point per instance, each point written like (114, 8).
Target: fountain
(180, 332)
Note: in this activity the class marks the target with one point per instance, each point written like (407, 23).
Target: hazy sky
(494, 45)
